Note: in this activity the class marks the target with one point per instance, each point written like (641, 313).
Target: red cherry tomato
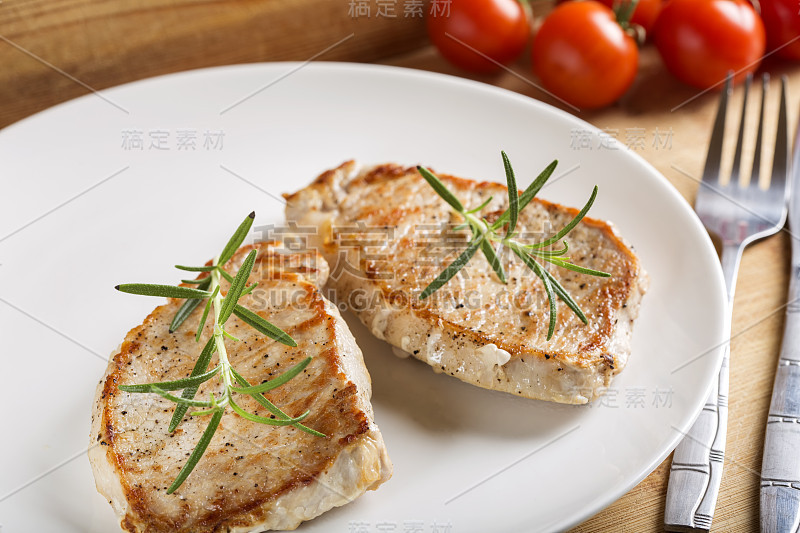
(645, 14)
(498, 29)
(700, 41)
(583, 55)
(782, 21)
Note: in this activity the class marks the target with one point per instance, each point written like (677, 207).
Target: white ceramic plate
(465, 459)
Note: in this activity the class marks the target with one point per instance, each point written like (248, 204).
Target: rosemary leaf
(188, 393)
(533, 189)
(225, 275)
(208, 268)
(194, 281)
(204, 412)
(480, 207)
(565, 297)
(237, 286)
(192, 381)
(249, 288)
(263, 420)
(562, 293)
(577, 268)
(168, 291)
(236, 239)
(276, 382)
(271, 407)
(183, 313)
(231, 337)
(548, 287)
(203, 319)
(528, 194)
(198, 452)
(188, 306)
(494, 261)
(550, 298)
(513, 195)
(574, 222)
(182, 401)
(441, 189)
(548, 253)
(452, 269)
(270, 330)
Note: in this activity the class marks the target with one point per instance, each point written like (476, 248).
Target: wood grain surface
(55, 50)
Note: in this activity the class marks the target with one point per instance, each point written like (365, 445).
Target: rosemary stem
(219, 336)
(479, 224)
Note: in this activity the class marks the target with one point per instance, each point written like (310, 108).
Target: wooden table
(54, 51)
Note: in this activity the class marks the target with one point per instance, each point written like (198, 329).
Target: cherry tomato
(645, 14)
(583, 55)
(701, 40)
(782, 21)
(462, 30)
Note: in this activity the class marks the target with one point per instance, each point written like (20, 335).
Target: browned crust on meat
(614, 297)
(342, 420)
(592, 353)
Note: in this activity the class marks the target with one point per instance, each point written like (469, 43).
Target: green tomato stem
(623, 10)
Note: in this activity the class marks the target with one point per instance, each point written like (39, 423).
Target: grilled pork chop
(252, 477)
(387, 235)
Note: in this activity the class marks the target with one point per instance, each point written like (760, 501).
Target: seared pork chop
(253, 477)
(387, 235)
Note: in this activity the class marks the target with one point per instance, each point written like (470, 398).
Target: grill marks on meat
(252, 477)
(387, 235)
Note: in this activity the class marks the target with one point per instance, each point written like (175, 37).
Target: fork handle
(780, 469)
(696, 471)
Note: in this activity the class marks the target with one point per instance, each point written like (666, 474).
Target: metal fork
(738, 215)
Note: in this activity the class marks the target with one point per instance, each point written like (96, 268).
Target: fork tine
(780, 163)
(714, 158)
(737, 217)
(755, 174)
(737, 156)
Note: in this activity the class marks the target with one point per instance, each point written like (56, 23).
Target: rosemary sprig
(486, 235)
(220, 308)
